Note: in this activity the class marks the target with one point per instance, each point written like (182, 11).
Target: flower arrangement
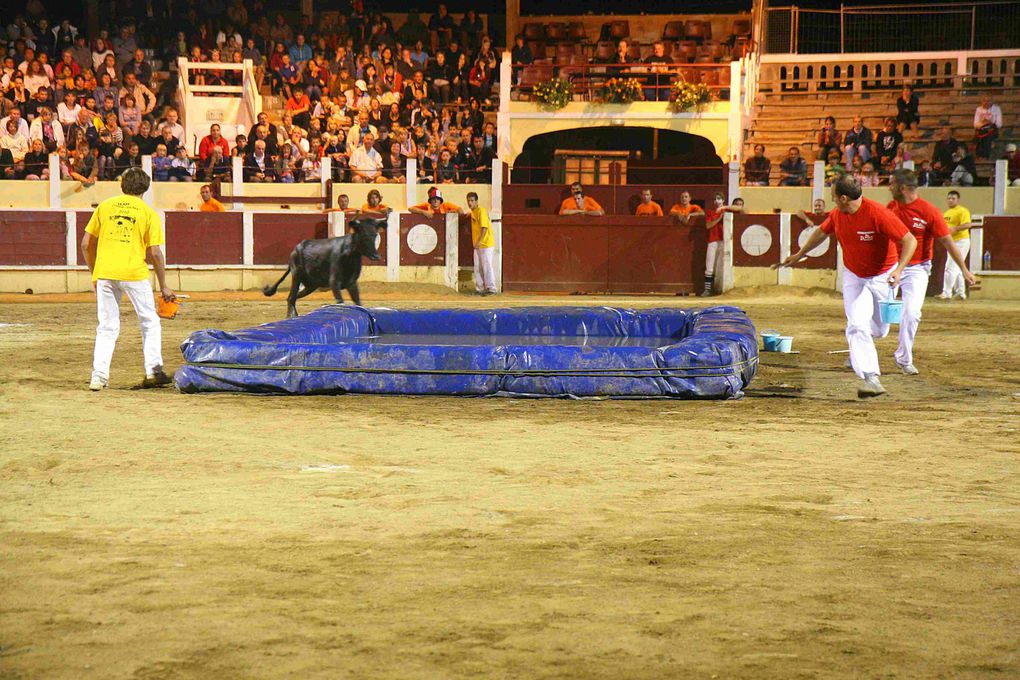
(690, 96)
(553, 94)
(621, 91)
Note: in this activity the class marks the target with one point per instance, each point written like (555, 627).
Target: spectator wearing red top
(210, 140)
(868, 234)
(927, 225)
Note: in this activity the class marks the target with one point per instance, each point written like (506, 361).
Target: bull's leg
(292, 297)
(355, 295)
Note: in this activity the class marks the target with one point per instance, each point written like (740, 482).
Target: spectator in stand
(68, 110)
(434, 205)
(471, 30)
(647, 207)
(793, 169)
(209, 204)
(167, 139)
(217, 165)
(99, 53)
(757, 168)
(41, 100)
(925, 176)
(887, 143)
(286, 165)
(684, 210)
(440, 28)
(17, 144)
(907, 117)
(476, 165)
(441, 75)
(175, 127)
(519, 54)
(300, 53)
(106, 89)
(161, 164)
(311, 162)
(366, 162)
(130, 116)
(1012, 159)
(659, 83)
(144, 99)
(182, 168)
(213, 139)
(17, 94)
(833, 168)
(964, 171)
(109, 67)
(298, 106)
(258, 167)
(987, 123)
(857, 141)
(131, 158)
(446, 169)
(36, 77)
(47, 130)
(146, 142)
(579, 204)
(869, 175)
(942, 157)
(36, 162)
(141, 69)
(84, 168)
(109, 148)
(829, 138)
(393, 168)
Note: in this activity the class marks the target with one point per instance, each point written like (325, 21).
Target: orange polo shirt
(680, 210)
(444, 208)
(381, 208)
(650, 210)
(212, 205)
(570, 204)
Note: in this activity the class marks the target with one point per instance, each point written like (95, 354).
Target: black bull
(333, 263)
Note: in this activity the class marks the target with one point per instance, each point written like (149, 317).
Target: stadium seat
(694, 30)
(685, 52)
(741, 28)
(673, 31)
(565, 52)
(619, 30)
(537, 49)
(534, 32)
(576, 32)
(556, 32)
(605, 51)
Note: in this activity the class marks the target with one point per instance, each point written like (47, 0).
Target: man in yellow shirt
(484, 244)
(435, 205)
(958, 219)
(121, 235)
(209, 204)
(647, 207)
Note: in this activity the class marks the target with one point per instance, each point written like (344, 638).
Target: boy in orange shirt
(435, 205)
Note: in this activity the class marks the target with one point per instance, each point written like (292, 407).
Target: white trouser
(108, 295)
(485, 275)
(713, 257)
(863, 322)
(913, 288)
(952, 280)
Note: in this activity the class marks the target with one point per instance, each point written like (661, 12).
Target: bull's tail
(269, 291)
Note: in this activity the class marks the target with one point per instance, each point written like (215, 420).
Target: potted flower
(621, 91)
(553, 94)
(690, 96)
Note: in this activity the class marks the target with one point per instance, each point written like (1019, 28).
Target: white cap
(360, 84)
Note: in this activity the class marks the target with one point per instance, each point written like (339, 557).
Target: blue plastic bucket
(770, 340)
(890, 310)
(784, 343)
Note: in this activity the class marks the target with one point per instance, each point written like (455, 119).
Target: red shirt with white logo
(868, 238)
(714, 233)
(925, 222)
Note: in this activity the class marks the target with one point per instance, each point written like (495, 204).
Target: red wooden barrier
(826, 260)
(204, 237)
(276, 234)
(545, 199)
(33, 237)
(422, 240)
(611, 254)
(755, 240)
(1002, 240)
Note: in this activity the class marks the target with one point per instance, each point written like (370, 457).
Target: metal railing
(893, 28)
(655, 79)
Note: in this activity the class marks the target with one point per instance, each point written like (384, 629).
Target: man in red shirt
(869, 234)
(927, 225)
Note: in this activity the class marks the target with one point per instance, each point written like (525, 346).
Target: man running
(869, 234)
(927, 226)
(123, 231)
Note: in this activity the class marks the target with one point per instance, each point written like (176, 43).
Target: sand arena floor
(797, 533)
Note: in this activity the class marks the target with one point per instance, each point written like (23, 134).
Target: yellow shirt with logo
(480, 220)
(125, 227)
(954, 218)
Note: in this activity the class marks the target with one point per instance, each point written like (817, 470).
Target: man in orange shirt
(579, 204)
(685, 209)
(209, 204)
(434, 206)
(647, 207)
(375, 207)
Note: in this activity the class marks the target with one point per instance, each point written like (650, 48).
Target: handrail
(588, 77)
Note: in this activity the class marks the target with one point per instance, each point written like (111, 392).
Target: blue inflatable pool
(526, 351)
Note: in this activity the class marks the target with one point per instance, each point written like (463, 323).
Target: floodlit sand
(797, 533)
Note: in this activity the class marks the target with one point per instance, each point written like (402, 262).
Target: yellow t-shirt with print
(955, 217)
(125, 227)
(479, 220)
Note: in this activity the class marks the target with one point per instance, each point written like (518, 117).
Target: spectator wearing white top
(171, 122)
(67, 110)
(15, 115)
(987, 123)
(366, 163)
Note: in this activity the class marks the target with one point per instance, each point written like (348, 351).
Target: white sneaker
(943, 296)
(908, 369)
(97, 383)
(871, 387)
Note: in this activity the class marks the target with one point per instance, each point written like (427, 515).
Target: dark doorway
(656, 156)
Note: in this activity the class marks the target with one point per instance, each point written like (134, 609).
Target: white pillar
(326, 168)
(71, 238)
(411, 187)
(337, 223)
(503, 114)
(735, 126)
(977, 250)
(452, 239)
(237, 180)
(393, 247)
(727, 274)
(1001, 182)
(818, 183)
(505, 80)
(784, 275)
(147, 169)
(733, 180)
(54, 164)
(247, 239)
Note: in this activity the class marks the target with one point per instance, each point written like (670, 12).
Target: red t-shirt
(714, 233)
(868, 237)
(925, 222)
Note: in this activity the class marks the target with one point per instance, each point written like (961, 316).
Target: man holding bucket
(927, 225)
(869, 235)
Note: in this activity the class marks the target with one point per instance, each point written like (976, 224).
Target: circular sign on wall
(818, 251)
(756, 240)
(422, 239)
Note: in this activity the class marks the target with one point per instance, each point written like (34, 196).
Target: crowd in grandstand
(353, 90)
